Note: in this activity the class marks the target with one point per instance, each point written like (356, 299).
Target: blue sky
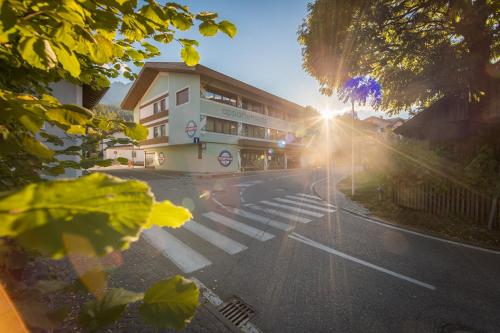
(265, 52)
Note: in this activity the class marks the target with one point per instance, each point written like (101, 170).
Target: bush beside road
(381, 206)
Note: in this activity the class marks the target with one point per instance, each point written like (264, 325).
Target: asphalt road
(320, 269)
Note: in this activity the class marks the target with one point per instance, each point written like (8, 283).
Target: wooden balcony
(154, 141)
(154, 117)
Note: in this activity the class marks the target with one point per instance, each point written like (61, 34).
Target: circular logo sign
(191, 128)
(225, 158)
(161, 158)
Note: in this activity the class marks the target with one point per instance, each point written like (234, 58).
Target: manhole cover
(236, 311)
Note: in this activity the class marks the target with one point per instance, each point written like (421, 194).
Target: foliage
(360, 89)
(418, 51)
(113, 112)
(44, 43)
(483, 171)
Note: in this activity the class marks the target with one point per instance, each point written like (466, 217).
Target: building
(200, 120)
(69, 93)
(382, 125)
(112, 149)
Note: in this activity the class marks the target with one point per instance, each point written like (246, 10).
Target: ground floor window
(275, 160)
(252, 159)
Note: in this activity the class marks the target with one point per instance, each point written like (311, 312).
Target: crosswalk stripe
(179, 253)
(238, 226)
(303, 204)
(219, 240)
(310, 201)
(263, 220)
(290, 217)
(309, 196)
(243, 185)
(295, 209)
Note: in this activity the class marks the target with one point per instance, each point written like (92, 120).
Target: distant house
(382, 125)
(125, 150)
(450, 120)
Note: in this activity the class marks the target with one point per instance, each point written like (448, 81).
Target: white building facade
(200, 120)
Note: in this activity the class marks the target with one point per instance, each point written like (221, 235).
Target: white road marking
(295, 209)
(271, 211)
(263, 220)
(310, 201)
(325, 248)
(219, 240)
(303, 204)
(215, 300)
(390, 226)
(238, 226)
(309, 196)
(179, 253)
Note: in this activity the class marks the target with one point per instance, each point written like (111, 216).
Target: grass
(451, 227)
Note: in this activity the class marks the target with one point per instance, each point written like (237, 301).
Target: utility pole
(352, 147)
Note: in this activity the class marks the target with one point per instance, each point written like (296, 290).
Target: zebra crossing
(251, 223)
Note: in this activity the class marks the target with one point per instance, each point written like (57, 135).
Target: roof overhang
(151, 69)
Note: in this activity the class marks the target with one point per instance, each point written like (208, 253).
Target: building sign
(225, 158)
(191, 128)
(161, 158)
(245, 116)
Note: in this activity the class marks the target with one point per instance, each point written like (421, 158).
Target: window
(254, 131)
(219, 96)
(182, 96)
(160, 106)
(159, 131)
(252, 106)
(221, 126)
(276, 134)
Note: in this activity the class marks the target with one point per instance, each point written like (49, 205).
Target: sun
(326, 114)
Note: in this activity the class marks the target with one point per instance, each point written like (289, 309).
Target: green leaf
(166, 214)
(36, 148)
(98, 213)
(97, 314)
(68, 60)
(182, 21)
(208, 28)
(228, 28)
(37, 52)
(207, 16)
(170, 303)
(135, 131)
(69, 114)
(190, 56)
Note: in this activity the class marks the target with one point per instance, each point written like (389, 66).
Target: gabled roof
(151, 69)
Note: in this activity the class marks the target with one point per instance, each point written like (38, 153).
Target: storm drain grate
(236, 311)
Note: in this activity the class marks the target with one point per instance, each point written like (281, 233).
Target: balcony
(229, 112)
(154, 141)
(155, 116)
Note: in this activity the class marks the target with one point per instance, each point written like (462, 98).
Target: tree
(113, 112)
(85, 43)
(419, 51)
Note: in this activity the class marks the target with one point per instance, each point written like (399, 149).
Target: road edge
(414, 231)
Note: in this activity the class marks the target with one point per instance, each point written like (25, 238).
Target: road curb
(410, 229)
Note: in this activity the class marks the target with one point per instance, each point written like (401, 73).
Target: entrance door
(149, 160)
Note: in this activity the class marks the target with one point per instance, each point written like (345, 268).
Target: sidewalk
(336, 197)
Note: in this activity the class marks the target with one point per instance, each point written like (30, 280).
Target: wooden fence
(450, 199)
